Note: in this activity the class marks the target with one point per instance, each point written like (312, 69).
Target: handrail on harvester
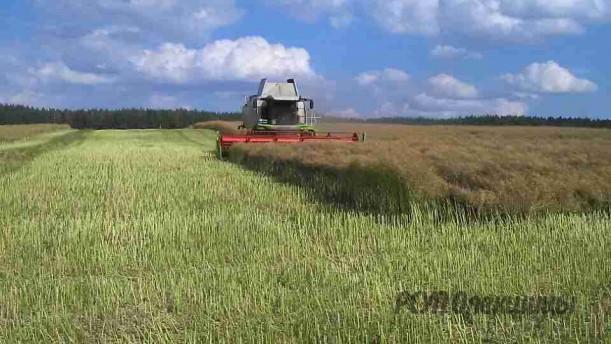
(225, 141)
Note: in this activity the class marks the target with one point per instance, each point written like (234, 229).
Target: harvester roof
(286, 91)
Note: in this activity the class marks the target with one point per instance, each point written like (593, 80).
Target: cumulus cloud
(440, 95)
(50, 84)
(590, 9)
(387, 75)
(548, 77)
(345, 113)
(338, 12)
(171, 62)
(450, 52)
(160, 101)
(367, 78)
(488, 18)
(513, 20)
(251, 57)
(184, 19)
(503, 106)
(448, 86)
(25, 97)
(427, 104)
(58, 71)
(408, 16)
(109, 36)
(341, 21)
(109, 33)
(247, 58)
(526, 95)
(390, 109)
(382, 91)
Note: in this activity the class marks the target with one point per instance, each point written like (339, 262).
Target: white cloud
(396, 75)
(450, 52)
(510, 20)
(253, 57)
(389, 109)
(345, 113)
(590, 9)
(248, 58)
(171, 62)
(548, 77)
(106, 37)
(338, 12)
(386, 75)
(446, 96)
(161, 101)
(229, 94)
(341, 21)
(426, 104)
(448, 86)
(367, 78)
(506, 107)
(213, 16)
(408, 16)
(447, 51)
(58, 71)
(159, 18)
(488, 18)
(25, 97)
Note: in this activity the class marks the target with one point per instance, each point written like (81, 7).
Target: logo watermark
(442, 302)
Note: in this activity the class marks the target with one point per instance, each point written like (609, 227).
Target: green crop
(144, 235)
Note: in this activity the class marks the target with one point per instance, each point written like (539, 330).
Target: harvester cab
(278, 113)
(278, 107)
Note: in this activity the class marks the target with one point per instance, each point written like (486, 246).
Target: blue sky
(366, 58)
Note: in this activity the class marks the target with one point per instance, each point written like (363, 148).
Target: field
(144, 235)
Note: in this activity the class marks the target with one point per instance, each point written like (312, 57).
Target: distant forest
(495, 120)
(110, 119)
(181, 118)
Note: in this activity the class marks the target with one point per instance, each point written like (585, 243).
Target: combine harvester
(278, 113)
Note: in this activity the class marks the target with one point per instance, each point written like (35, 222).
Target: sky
(356, 58)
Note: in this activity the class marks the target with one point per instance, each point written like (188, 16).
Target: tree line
(181, 118)
(110, 119)
(490, 120)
